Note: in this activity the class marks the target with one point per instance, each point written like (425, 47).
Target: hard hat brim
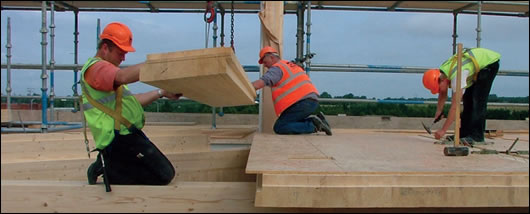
(127, 48)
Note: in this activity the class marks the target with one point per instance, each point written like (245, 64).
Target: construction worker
(479, 68)
(116, 117)
(293, 94)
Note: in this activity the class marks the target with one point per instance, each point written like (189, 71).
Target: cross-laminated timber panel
(226, 166)
(44, 149)
(212, 76)
(381, 170)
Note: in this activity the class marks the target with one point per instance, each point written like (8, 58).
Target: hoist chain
(232, 29)
(222, 25)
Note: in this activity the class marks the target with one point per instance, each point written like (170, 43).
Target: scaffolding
(496, 8)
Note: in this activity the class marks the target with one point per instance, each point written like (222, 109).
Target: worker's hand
(172, 96)
(438, 117)
(439, 134)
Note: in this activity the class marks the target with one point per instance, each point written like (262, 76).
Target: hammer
(457, 150)
(428, 128)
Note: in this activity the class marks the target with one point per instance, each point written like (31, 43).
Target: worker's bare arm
(149, 97)
(258, 84)
(128, 75)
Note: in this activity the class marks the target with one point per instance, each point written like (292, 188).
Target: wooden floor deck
(371, 168)
(351, 171)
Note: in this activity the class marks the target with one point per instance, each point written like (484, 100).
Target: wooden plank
(205, 75)
(458, 95)
(221, 166)
(76, 196)
(24, 151)
(230, 197)
(271, 17)
(55, 136)
(490, 6)
(6, 116)
(170, 123)
(397, 179)
(392, 196)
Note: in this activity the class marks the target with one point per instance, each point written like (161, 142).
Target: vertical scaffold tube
(308, 35)
(8, 55)
(52, 59)
(479, 14)
(97, 32)
(44, 75)
(454, 32)
(76, 41)
(299, 33)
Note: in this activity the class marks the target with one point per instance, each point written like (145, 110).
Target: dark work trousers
(473, 117)
(134, 159)
(294, 120)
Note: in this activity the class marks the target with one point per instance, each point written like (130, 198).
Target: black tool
(428, 128)
(105, 173)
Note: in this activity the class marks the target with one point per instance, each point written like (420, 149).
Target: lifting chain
(232, 29)
(222, 10)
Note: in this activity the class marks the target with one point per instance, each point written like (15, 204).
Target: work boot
(94, 171)
(321, 116)
(471, 141)
(319, 125)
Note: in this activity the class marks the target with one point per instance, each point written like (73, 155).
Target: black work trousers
(473, 117)
(134, 159)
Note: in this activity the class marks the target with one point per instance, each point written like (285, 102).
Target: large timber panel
(212, 76)
(367, 169)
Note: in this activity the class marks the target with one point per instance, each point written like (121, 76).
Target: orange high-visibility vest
(294, 85)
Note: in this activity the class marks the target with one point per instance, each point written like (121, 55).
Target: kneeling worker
(116, 116)
(293, 95)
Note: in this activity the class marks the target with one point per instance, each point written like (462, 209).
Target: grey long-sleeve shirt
(274, 75)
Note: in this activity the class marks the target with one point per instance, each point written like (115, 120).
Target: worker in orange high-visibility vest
(479, 68)
(295, 98)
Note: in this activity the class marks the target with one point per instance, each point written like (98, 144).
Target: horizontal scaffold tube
(39, 130)
(338, 100)
(314, 67)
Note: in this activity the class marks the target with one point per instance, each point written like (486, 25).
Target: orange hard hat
(119, 34)
(264, 50)
(430, 80)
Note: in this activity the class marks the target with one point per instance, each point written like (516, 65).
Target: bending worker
(293, 94)
(479, 68)
(116, 117)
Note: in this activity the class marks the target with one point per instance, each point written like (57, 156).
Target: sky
(337, 37)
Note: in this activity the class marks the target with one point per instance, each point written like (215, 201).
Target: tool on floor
(493, 151)
(428, 128)
(457, 150)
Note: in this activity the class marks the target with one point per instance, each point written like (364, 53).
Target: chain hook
(209, 9)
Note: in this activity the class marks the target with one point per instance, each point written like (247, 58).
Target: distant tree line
(329, 108)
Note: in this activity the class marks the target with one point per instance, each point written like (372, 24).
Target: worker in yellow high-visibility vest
(115, 116)
(479, 68)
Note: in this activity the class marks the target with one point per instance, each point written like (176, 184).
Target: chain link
(232, 29)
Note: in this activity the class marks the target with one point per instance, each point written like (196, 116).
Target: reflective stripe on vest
(470, 59)
(110, 98)
(101, 124)
(476, 59)
(293, 86)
